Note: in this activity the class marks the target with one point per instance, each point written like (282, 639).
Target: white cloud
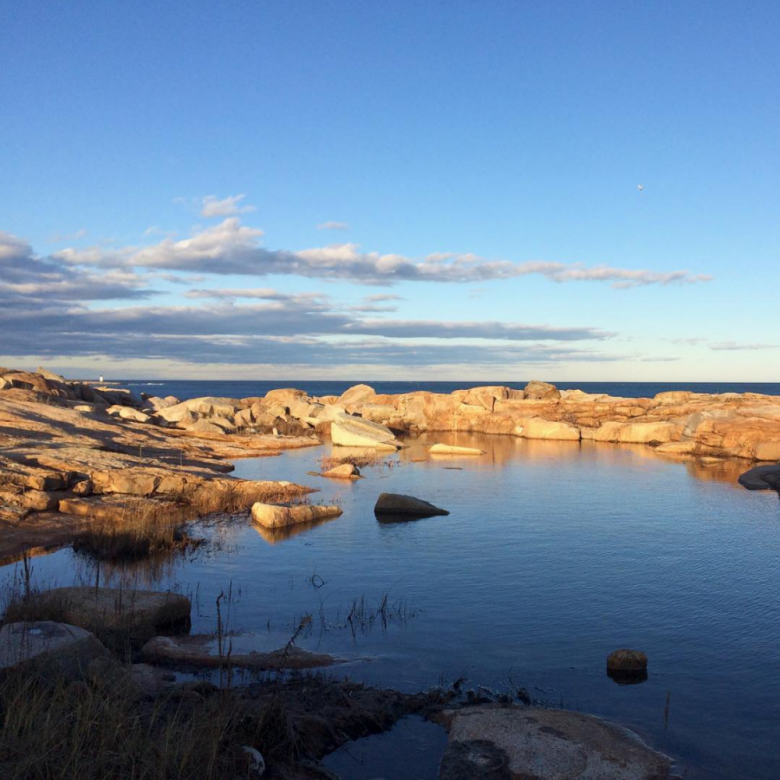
(226, 207)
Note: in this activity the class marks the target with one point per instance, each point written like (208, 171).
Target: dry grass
(137, 538)
(361, 460)
(157, 527)
(69, 730)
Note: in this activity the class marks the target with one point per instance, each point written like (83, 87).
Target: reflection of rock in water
(627, 678)
(278, 535)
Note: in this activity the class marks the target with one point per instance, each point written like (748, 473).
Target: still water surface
(554, 554)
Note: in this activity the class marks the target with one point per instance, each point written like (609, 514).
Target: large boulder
(547, 744)
(348, 431)
(539, 428)
(276, 516)
(356, 396)
(761, 478)
(541, 391)
(399, 505)
(284, 395)
(49, 648)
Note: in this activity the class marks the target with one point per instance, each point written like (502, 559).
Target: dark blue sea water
(191, 388)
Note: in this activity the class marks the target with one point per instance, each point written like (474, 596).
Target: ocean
(195, 388)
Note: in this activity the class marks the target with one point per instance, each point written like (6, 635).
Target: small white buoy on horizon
(100, 378)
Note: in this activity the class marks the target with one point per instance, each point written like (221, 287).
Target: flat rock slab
(203, 651)
(398, 505)
(451, 449)
(275, 516)
(49, 647)
(551, 744)
(348, 431)
(115, 608)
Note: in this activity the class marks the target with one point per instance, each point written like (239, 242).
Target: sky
(391, 190)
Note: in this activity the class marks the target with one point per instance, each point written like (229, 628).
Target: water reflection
(279, 535)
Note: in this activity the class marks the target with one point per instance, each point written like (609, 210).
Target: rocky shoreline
(72, 452)
(73, 455)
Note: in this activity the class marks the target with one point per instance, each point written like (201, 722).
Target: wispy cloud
(225, 207)
(333, 226)
(59, 238)
(233, 248)
(733, 346)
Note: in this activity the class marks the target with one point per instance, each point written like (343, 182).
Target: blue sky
(475, 165)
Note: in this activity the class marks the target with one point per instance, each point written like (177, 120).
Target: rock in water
(396, 504)
(761, 478)
(551, 744)
(627, 666)
(451, 449)
(348, 431)
(344, 471)
(141, 612)
(203, 650)
(275, 516)
(49, 648)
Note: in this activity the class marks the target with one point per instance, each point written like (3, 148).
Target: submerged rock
(203, 650)
(398, 505)
(275, 516)
(551, 744)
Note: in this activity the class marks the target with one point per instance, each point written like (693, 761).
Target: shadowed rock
(627, 667)
(396, 505)
(475, 759)
(761, 478)
(551, 744)
(142, 612)
(49, 648)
